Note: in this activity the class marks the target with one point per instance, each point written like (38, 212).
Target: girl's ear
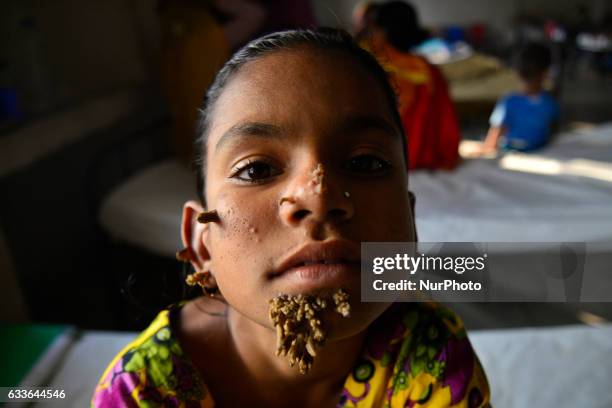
(194, 236)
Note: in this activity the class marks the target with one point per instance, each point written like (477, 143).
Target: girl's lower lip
(319, 275)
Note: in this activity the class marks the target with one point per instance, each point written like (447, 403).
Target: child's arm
(497, 129)
(487, 148)
(493, 135)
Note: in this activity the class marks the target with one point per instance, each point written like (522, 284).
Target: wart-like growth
(299, 331)
(208, 216)
(317, 181)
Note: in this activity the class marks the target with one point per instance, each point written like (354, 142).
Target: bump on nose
(310, 198)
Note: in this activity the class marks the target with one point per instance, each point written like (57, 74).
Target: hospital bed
(567, 366)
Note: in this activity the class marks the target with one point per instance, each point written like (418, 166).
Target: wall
(61, 51)
(52, 243)
(90, 45)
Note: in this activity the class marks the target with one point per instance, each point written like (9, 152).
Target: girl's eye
(256, 171)
(367, 163)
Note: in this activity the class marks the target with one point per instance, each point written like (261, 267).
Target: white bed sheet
(83, 367)
(482, 202)
(567, 366)
(557, 367)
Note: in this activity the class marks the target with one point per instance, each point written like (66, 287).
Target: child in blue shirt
(523, 120)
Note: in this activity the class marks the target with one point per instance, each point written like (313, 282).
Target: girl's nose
(313, 197)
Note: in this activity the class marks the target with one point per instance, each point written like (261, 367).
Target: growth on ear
(208, 216)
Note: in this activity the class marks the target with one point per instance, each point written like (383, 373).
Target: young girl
(302, 159)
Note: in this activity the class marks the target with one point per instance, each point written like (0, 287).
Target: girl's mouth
(320, 275)
(316, 265)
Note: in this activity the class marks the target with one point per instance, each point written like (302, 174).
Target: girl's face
(304, 163)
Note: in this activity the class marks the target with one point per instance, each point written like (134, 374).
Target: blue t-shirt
(526, 118)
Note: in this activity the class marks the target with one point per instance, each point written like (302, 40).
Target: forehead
(304, 87)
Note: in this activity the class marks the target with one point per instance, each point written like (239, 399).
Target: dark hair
(533, 60)
(323, 39)
(400, 23)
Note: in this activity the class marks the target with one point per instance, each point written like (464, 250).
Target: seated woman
(299, 135)
(427, 112)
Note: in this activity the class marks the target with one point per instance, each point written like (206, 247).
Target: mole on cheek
(254, 233)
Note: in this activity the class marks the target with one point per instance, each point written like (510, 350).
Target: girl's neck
(255, 347)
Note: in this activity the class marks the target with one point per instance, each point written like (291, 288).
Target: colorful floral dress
(415, 355)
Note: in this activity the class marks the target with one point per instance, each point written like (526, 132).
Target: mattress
(479, 78)
(83, 366)
(541, 197)
(547, 367)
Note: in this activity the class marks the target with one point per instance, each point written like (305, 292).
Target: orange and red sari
(425, 107)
